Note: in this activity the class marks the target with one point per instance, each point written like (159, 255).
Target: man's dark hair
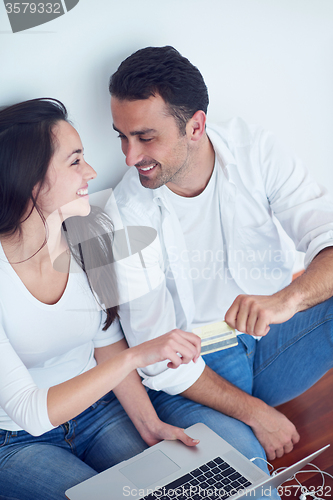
(162, 71)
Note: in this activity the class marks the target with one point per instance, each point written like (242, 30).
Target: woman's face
(66, 182)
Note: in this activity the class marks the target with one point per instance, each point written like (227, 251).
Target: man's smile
(145, 168)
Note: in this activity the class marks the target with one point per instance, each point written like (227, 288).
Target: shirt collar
(224, 156)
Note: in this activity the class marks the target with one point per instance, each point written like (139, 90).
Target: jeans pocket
(249, 344)
(105, 400)
(4, 437)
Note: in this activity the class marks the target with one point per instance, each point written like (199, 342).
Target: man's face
(151, 141)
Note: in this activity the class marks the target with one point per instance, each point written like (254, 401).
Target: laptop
(171, 470)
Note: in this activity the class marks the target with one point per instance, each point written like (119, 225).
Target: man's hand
(274, 431)
(253, 314)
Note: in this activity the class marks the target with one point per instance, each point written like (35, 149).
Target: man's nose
(133, 154)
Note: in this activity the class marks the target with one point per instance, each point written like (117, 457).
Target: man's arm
(274, 431)
(253, 314)
(305, 212)
(152, 314)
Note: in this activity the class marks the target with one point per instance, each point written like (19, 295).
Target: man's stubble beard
(166, 177)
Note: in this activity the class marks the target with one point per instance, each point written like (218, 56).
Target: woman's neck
(39, 242)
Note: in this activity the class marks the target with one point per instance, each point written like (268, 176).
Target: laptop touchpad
(149, 469)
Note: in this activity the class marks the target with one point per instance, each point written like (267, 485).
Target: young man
(214, 197)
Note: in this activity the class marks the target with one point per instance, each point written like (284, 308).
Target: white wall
(269, 61)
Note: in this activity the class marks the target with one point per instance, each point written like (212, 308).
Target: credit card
(216, 336)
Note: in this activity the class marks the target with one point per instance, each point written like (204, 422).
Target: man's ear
(196, 125)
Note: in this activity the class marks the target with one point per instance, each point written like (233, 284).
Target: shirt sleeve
(20, 398)
(110, 336)
(147, 309)
(303, 207)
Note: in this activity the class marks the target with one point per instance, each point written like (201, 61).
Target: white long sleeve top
(43, 345)
(269, 205)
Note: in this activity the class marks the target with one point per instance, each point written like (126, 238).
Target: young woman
(60, 355)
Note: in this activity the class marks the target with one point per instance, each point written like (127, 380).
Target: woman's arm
(69, 399)
(135, 401)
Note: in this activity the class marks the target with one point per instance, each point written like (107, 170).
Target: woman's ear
(196, 125)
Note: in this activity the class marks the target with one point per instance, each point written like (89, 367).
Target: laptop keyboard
(214, 480)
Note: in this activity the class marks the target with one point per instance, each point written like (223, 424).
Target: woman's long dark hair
(26, 148)
(27, 145)
(90, 239)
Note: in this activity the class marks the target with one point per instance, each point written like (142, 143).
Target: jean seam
(292, 342)
(6, 440)
(69, 441)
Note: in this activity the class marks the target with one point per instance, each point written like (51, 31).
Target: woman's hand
(153, 433)
(177, 346)
(132, 394)
(114, 366)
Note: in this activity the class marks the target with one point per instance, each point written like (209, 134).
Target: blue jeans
(290, 359)
(45, 467)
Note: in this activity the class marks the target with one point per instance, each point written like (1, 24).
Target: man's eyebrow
(76, 151)
(137, 132)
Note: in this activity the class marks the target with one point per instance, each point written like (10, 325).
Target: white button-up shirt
(269, 206)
